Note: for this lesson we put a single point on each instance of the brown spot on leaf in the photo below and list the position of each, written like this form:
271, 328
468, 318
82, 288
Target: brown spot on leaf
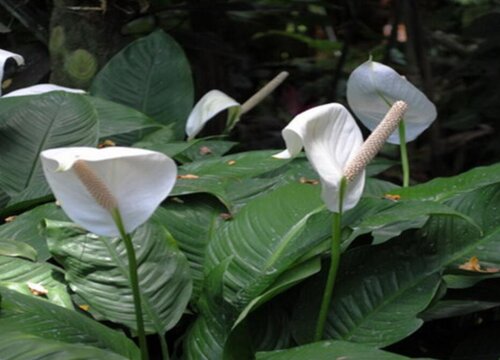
226, 216
304, 180
231, 162
37, 289
106, 143
473, 265
188, 177
9, 219
205, 150
392, 197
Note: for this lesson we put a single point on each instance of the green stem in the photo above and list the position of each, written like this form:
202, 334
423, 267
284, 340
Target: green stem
404, 154
134, 282
164, 347
334, 264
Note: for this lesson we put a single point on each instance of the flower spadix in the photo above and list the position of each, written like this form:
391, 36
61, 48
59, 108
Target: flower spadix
331, 138
91, 183
372, 88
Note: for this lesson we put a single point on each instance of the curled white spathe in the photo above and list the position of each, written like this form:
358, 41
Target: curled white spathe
372, 88
4, 56
212, 103
138, 179
330, 138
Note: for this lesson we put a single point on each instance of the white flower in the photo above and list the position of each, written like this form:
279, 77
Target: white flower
212, 103
372, 88
4, 56
41, 89
330, 138
135, 181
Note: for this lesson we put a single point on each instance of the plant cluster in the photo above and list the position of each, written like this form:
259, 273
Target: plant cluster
116, 227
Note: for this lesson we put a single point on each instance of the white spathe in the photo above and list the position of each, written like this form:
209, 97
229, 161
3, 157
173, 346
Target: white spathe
212, 103
4, 56
41, 89
372, 88
139, 180
330, 138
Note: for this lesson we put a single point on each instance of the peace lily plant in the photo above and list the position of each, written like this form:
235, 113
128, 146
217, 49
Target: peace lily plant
334, 146
110, 192
372, 88
215, 101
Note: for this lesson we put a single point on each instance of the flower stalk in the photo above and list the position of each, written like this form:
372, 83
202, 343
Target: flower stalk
263, 93
103, 196
354, 167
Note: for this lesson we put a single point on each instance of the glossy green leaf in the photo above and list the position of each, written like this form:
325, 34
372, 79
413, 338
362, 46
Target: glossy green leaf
441, 189
265, 239
27, 228
97, 271
223, 176
115, 118
205, 339
17, 249
151, 75
17, 273
400, 216
448, 308
20, 346
381, 290
42, 122
40, 318
378, 295
192, 223
328, 350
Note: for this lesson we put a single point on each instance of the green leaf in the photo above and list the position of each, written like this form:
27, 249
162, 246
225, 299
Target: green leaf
151, 75
45, 320
115, 118
441, 189
206, 338
224, 177
16, 273
51, 120
97, 271
391, 283
17, 249
27, 228
328, 350
378, 294
192, 223
448, 308
19, 346
400, 216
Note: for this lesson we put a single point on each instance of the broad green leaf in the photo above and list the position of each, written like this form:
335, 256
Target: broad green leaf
205, 339
97, 271
221, 176
16, 345
391, 283
400, 216
192, 223
378, 295
467, 279
17, 249
115, 118
151, 75
55, 119
441, 189
27, 228
265, 239
40, 318
206, 148
17, 273
329, 350
448, 308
